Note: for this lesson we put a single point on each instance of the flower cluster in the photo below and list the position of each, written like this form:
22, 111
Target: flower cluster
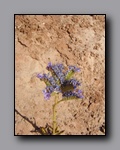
61, 81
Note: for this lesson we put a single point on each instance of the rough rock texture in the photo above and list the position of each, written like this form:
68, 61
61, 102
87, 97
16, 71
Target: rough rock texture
69, 39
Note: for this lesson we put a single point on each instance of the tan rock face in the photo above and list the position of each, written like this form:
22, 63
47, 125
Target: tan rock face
69, 39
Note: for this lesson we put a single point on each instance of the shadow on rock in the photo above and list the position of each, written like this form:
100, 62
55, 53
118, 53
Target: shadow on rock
47, 130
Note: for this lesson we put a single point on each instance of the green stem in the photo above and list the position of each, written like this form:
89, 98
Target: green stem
54, 116
63, 100
54, 112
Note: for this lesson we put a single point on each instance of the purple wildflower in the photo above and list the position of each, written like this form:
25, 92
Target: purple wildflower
57, 88
42, 76
60, 66
46, 94
78, 93
49, 66
73, 68
68, 94
60, 82
52, 80
50, 89
58, 71
74, 82
39, 76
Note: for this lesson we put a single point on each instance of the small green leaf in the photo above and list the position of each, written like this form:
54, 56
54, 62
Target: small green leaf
56, 130
60, 132
69, 75
43, 131
47, 83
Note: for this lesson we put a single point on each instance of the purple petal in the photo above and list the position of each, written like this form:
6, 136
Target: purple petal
40, 76
46, 94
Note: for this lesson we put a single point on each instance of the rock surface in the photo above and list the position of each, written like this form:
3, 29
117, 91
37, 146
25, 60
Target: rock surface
69, 39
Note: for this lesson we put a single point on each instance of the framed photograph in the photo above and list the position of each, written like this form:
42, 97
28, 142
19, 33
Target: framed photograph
59, 66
